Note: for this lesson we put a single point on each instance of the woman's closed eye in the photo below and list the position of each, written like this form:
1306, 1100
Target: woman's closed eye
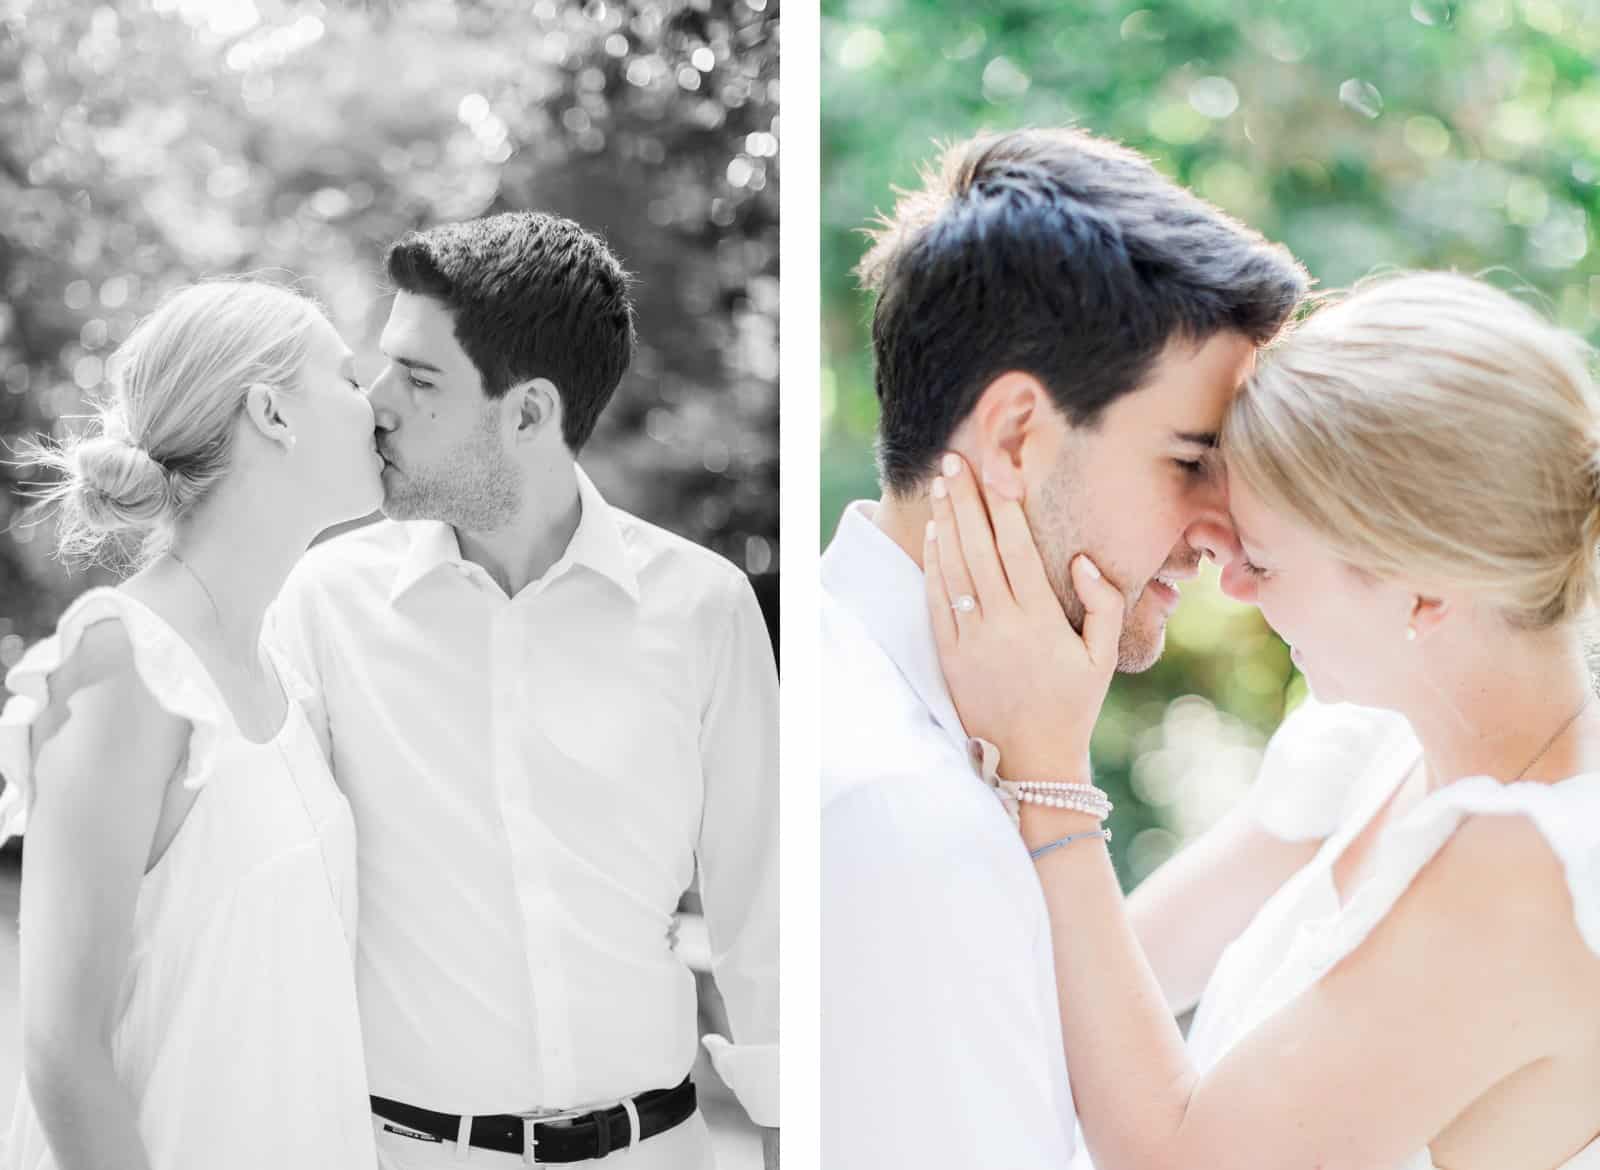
1252, 569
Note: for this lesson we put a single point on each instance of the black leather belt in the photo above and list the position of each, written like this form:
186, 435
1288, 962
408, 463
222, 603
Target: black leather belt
577, 1138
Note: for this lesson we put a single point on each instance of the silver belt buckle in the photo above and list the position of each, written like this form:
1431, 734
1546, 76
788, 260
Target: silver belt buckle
530, 1141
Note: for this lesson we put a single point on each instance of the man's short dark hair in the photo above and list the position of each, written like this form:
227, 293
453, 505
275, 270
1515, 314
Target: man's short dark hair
533, 296
1057, 254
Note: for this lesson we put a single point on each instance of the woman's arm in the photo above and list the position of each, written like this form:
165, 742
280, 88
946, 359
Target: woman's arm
1365, 1067
1187, 912
1191, 908
101, 777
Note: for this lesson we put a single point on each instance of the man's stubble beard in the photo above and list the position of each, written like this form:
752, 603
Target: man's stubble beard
475, 486
1059, 531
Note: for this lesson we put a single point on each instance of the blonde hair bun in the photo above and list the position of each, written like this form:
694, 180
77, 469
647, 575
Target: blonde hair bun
1429, 425
166, 431
115, 485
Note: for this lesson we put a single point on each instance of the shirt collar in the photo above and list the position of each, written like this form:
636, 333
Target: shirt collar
432, 545
596, 544
872, 577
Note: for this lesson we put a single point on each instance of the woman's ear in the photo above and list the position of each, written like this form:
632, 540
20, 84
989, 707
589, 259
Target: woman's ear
263, 407
1427, 615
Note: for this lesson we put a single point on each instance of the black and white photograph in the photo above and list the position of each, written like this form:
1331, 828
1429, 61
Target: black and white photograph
388, 584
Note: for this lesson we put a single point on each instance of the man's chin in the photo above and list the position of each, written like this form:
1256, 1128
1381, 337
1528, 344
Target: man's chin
395, 508
400, 506
402, 500
1144, 631
1136, 657
1142, 642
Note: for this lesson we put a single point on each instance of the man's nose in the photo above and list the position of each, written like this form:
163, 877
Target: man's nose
1214, 537
1210, 527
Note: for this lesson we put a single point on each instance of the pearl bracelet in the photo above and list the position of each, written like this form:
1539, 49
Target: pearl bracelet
1058, 786
1098, 809
1083, 798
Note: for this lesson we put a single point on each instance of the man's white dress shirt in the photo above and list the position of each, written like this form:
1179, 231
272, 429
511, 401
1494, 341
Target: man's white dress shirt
534, 780
941, 1042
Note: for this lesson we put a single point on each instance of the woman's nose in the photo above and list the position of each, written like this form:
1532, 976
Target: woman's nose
1237, 583
384, 417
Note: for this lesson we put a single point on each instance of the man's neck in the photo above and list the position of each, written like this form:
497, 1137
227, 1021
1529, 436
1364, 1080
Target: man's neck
904, 519
524, 550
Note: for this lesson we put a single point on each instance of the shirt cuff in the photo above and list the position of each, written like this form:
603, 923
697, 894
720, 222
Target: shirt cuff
751, 1071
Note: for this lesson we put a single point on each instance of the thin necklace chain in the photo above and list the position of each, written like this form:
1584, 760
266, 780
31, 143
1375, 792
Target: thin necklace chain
216, 610
1549, 743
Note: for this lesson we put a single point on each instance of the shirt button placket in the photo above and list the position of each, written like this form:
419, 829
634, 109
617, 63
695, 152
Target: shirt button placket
509, 651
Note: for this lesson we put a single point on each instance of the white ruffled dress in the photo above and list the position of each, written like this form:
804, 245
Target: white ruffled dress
237, 1034
1302, 931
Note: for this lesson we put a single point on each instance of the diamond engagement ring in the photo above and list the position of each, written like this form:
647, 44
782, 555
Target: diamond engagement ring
966, 603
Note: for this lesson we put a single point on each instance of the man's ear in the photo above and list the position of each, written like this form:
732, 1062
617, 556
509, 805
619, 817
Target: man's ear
538, 406
263, 407
1006, 427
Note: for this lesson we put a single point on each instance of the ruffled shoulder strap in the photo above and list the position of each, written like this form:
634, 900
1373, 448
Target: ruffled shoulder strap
1316, 768
167, 667
1567, 815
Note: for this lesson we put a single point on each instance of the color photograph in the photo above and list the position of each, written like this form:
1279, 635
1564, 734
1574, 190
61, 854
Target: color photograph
1210, 501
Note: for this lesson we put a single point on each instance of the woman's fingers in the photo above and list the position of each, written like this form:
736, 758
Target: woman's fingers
977, 537
1102, 618
939, 611
1019, 555
962, 600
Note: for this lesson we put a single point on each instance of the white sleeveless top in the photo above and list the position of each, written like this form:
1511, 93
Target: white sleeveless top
237, 1034
1302, 931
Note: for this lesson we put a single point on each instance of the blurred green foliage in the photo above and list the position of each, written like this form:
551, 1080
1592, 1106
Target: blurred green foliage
154, 142
1365, 134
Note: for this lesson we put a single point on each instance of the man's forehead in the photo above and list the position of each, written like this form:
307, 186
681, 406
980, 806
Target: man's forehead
1190, 387
418, 321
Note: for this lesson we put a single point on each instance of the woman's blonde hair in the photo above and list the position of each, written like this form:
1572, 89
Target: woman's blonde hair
163, 436
1432, 427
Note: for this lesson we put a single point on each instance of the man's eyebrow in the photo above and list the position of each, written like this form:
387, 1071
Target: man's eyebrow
1198, 438
414, 364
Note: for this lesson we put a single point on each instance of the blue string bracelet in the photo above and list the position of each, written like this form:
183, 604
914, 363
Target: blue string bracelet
1103, 834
